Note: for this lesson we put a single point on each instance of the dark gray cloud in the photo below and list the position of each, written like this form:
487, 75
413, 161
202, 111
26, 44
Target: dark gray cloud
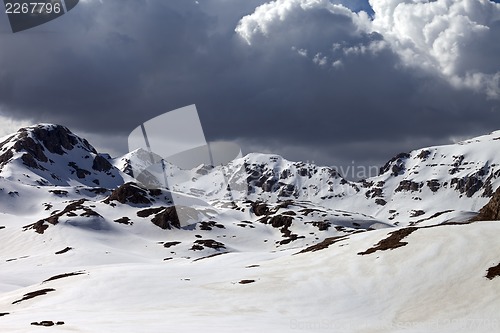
315, 84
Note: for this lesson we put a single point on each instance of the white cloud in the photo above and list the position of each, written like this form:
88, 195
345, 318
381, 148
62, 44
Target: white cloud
337, 64
301, 52
451, 38
311, 26
372, 47
320, 60
454, 39
270, 17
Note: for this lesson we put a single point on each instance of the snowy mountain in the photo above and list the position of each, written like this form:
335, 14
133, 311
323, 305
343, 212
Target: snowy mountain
48, 154
287, 246
462, 177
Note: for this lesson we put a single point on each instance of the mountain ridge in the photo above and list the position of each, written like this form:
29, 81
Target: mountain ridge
462, 176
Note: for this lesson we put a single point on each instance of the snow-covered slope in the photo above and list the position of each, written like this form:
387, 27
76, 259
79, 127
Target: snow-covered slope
460, 177
94, 280
288, 246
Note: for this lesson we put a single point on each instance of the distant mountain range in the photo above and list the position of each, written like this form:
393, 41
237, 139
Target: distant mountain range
461, 177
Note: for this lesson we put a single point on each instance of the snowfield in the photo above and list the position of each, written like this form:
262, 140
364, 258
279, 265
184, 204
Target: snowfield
436, 283
85, 249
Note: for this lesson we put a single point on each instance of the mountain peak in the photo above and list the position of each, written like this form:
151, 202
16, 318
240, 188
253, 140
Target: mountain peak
56, 138
35, 142
50, 154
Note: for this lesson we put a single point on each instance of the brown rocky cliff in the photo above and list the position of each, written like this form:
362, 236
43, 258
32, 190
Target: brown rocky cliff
491, 211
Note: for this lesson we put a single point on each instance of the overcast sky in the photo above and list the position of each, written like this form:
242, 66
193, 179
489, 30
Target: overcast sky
329, 81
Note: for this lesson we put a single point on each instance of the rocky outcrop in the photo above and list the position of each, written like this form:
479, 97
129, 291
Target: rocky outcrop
37, 141
200, 244
5, 157
491, 211
101, 164
396, 164
57, 137
70, 211
260, 208
168, 218
408, 186
130, 193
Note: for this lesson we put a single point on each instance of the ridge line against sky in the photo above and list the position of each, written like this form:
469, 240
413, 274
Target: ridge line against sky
325, 81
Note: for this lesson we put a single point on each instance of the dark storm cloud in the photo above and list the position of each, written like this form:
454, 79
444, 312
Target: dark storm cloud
100, 67
314, 86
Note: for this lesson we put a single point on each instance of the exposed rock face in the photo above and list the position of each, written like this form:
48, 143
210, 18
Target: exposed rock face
40, 139
34, 151
167, 219
408, 185
101, 164
34, 294
493, 272
395, 164
468, 185
294, 180
200, 244
30, 161
491, 211
33, 148
433, 185
80, 173
5, 157
124, 220
130, 193
260, 208
58, 137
